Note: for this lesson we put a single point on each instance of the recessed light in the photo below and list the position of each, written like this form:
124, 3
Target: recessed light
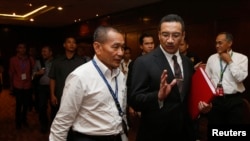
97, 15
32, 20
59, 8
146, 19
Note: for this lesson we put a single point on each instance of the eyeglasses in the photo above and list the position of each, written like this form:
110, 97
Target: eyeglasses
174, 35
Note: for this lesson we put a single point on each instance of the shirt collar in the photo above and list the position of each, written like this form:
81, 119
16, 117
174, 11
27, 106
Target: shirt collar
65, 57
229, 52
168, 55
105, 70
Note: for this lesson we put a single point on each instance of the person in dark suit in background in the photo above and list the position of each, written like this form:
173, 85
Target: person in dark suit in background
184, 49
154, 89
147, 45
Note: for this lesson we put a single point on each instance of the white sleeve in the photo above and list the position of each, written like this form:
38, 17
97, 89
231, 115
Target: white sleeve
69, 108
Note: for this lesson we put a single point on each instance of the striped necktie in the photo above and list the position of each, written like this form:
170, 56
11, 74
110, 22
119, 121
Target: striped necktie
177, 73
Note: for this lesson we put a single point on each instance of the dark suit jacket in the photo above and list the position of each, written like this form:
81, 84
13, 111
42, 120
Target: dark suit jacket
170, 121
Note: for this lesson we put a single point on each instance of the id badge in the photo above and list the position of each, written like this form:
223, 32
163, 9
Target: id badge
219, 90
23, 76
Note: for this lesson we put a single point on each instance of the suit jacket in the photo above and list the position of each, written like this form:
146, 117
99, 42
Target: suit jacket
170, 121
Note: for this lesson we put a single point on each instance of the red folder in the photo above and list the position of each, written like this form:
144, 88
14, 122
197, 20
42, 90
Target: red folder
202, 89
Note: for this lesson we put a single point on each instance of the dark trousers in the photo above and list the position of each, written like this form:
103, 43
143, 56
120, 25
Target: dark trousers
43, 96
22, 102
227, 110
54, 110
82, 137
35, 97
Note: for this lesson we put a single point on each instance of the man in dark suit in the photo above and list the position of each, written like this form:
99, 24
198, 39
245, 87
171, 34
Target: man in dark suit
154, 89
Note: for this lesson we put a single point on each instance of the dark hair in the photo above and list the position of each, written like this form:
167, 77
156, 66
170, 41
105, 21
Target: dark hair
172, 18
144, 35
229, 36
101, 32
48, 47
21, 43
127, 48
66, 38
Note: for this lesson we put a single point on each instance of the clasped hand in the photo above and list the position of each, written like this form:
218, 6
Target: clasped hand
204, 107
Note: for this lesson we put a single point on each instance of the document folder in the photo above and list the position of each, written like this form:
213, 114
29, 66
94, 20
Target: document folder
202, 89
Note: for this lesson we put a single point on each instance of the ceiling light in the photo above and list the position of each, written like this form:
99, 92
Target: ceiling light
32, 20
39, 10
146, 19
96, 15
59, 8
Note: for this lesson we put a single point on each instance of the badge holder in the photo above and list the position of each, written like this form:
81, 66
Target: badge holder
219, 90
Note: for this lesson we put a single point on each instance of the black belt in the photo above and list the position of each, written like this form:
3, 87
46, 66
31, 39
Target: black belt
83, 137
230, 95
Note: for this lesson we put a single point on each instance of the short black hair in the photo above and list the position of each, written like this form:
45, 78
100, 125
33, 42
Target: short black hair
48, 47
143, 35
67, 37
172, 18
127, 48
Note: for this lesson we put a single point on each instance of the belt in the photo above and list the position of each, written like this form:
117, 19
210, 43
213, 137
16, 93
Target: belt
229, 95
97, 137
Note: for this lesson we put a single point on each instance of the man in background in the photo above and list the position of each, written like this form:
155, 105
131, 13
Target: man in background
61, 67
227, 69
20, 72
184, 49
147, 45
124, 66
41, 71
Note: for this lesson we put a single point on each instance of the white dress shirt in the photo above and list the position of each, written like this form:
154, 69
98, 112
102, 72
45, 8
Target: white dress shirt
171, 61
87, 103
234, 74
124, 67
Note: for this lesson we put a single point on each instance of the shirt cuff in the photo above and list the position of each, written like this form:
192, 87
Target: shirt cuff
160, 104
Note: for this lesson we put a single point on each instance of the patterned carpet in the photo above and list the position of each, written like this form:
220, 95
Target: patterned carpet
8, 131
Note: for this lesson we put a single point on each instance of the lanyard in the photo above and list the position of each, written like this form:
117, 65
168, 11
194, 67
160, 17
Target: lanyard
222, 70
114, 94
22, 65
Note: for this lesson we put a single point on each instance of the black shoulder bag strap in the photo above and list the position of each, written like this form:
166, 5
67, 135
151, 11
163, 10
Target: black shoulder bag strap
114, 95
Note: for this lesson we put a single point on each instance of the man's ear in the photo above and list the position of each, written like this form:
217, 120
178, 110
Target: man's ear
97, 47
141, 47
184, 34
230, 43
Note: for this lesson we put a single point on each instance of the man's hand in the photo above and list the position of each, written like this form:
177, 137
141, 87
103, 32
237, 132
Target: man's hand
165, 88
225, 56
54, 100
204, 107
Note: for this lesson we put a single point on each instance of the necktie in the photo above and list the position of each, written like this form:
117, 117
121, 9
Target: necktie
177, 71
